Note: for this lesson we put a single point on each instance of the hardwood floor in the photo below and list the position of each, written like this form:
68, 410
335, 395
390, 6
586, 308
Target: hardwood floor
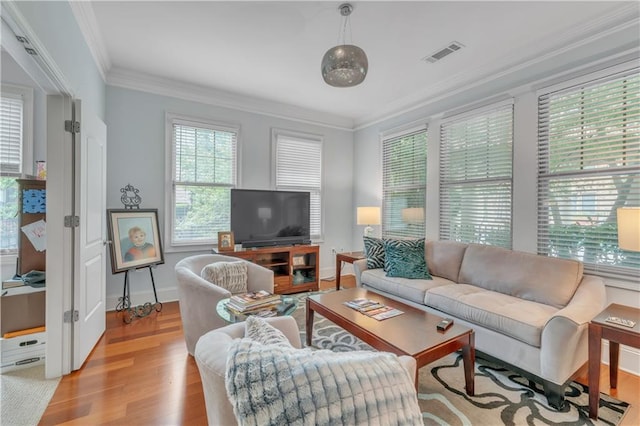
141, 373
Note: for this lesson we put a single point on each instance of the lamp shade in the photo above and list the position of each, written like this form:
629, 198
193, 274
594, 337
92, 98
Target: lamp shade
629, 228
368, 216
413, 215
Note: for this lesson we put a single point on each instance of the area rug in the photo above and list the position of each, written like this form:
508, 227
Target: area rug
25, 395
501, 396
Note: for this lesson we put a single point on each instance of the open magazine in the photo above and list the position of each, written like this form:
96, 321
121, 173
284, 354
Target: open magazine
373, 309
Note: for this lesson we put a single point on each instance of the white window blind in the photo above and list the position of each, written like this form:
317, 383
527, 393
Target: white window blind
476, 154
404, 184
11, 110
588, 166
298, 167
11, 148
204, 171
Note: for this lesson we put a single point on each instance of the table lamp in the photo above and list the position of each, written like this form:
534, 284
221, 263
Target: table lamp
629, 228
368, 216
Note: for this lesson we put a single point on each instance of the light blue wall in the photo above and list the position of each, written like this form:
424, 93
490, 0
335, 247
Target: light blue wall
56, 28
136, 155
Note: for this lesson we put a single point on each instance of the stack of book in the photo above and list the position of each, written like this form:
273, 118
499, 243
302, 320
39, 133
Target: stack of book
373, 309
253, 302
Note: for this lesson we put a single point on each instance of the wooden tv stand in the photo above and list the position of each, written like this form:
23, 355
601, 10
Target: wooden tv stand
295, 268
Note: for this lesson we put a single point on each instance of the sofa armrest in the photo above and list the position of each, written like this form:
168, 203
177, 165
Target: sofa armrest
259, 278
566, 332
359, 266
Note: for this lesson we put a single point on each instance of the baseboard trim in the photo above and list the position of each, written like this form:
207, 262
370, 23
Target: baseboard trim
166, 295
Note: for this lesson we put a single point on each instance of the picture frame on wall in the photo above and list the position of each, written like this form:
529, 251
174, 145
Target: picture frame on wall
135, 239
225, 241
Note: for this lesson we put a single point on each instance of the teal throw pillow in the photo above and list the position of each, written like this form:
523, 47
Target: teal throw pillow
374, 252
405, 259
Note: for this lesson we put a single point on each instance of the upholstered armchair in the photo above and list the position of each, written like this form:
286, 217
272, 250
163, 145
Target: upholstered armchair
198, 298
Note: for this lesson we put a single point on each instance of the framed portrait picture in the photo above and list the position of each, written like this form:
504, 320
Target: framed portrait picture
298, 261
135, 239
225, 241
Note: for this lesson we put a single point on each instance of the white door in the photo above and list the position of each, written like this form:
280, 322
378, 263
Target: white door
89, 250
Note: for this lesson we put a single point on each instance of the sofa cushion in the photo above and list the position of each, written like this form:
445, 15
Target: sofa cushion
444, 258
231, 276
542, 279
258, 329
521, 319
405, 259
374, 252
410, 289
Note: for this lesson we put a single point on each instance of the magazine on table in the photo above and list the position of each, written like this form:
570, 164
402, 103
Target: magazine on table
373, 309
254, 298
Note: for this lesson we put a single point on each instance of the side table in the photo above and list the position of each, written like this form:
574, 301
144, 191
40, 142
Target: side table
600, 329
349, 257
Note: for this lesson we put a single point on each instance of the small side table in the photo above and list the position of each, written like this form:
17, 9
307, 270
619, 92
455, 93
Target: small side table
600, 329
349, 257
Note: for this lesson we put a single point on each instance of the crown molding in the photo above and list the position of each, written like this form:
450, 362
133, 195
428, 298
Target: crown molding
86, 19
623, 18
134, 80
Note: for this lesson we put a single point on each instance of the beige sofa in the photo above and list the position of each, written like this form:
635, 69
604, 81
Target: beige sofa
529, 311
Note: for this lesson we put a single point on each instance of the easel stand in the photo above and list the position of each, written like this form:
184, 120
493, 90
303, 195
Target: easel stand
140, 310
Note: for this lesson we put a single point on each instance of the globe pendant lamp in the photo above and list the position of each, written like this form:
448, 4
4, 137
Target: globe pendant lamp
344, 65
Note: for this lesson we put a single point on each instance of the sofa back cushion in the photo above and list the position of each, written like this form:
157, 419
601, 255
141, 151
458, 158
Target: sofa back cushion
542, 279
444, 258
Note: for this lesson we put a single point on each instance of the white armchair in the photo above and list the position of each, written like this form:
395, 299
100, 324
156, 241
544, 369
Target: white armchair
198, 298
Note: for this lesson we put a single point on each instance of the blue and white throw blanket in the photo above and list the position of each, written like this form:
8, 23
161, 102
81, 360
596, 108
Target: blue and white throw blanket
278, 385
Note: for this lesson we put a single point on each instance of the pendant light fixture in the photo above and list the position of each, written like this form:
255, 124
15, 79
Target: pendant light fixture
344, 65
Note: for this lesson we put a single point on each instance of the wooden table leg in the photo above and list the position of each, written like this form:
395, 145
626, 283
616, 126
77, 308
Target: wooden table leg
338, 270
469, 359
614, 356
595, 355
309, 315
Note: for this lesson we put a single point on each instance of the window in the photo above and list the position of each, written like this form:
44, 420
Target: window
404, 183
298, 167
16, 111
476, 177
204, 169
588, 166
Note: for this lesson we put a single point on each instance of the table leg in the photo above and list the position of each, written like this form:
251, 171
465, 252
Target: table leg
469, 359
338, 270
595, 355
309, 325
614, 356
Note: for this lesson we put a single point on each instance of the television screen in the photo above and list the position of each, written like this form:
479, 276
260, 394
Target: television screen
267, 218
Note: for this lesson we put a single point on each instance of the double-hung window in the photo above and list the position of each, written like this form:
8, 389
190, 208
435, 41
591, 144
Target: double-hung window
297, 159
203, 171
588, 166
16, 112
476, 152
404, 183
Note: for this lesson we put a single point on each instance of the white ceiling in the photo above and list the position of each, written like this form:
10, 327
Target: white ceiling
269, 52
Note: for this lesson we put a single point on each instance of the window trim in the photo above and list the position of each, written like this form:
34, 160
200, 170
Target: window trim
307, 137
169, 245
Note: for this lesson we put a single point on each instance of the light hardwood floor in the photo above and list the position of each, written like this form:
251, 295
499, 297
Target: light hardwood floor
141, 374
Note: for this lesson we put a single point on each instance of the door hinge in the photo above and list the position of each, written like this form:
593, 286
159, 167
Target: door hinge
71, 221
72, 126
71, 316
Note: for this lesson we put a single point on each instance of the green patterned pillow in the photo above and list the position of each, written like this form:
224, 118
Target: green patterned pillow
405, 258
374, 252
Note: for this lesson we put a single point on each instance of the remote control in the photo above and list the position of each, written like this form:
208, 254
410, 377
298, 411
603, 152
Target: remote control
445, 324
621, 321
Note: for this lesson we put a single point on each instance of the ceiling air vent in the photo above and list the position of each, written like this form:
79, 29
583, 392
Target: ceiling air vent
435, 57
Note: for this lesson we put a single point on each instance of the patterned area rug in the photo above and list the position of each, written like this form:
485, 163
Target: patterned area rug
501, 396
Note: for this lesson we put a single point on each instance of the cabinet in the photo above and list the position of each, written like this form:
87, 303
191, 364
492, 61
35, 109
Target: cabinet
295, 268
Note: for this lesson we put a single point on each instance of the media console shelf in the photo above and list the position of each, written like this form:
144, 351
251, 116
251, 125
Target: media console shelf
295, 268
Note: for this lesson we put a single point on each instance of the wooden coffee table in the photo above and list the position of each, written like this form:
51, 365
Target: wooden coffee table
413, 333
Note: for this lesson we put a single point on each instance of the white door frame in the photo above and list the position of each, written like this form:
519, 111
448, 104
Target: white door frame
45, 72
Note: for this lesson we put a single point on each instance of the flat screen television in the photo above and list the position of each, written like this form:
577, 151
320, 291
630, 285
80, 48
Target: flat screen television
261, 218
